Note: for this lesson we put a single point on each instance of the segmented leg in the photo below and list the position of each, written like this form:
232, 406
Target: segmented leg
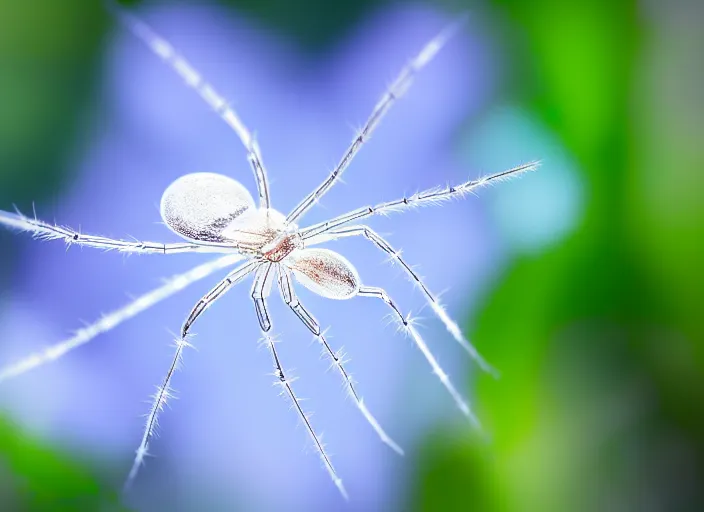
260, 291
46, 231
167, 53
434, 303
218, 290
115, 318
163, 392
397, 89
427, 197
289, 295
380, 293
285, 383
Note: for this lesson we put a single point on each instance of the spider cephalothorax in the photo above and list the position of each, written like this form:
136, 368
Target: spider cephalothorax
216, 214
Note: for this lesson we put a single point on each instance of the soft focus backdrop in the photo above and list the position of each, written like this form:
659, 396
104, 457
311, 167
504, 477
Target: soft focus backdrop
582, 283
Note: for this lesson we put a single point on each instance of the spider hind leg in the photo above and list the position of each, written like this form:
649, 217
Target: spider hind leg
289, 296
380, 293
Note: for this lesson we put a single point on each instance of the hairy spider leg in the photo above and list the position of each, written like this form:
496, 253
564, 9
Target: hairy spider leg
45, 231
380, 293
428, 197
260, 291
164, 392
399, 86
285, 382
169, 55
113, 319
431, 299
288, 293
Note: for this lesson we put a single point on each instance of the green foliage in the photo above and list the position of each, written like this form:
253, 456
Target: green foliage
42, 478
600, 340
313, 23
48, 51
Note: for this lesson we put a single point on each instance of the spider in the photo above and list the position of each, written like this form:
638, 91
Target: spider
216, 214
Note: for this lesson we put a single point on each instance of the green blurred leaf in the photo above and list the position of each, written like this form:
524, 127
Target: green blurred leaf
43, 479
600, 340
48, 51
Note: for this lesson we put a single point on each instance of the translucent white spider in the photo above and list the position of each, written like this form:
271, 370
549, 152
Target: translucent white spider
216, 214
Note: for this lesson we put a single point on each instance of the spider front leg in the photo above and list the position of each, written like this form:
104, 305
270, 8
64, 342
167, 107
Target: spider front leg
432, 300
381, 294
115, 318
46, 231
168, 54
163, 393
289, 296
399, 86
433, 196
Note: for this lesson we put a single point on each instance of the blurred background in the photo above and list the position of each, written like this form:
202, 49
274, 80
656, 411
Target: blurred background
582, 283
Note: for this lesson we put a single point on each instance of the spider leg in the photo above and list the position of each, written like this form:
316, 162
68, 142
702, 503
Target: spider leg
380, 293
167, 53
46, 231
115, 318
289, 295
163, 392
216, 292
428, 197
285, 383
434, 303
397, 89
260, 290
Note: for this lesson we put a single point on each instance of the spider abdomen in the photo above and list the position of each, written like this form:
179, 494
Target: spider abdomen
324, 272
200, 206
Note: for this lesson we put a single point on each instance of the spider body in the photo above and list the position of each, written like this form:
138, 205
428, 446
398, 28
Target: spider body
216, 214
226, 214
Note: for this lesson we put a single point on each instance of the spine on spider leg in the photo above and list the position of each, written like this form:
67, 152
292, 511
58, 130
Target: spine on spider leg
498, 177
36, 227
44, 231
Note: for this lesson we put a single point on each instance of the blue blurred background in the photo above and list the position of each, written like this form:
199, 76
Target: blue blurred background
582, 283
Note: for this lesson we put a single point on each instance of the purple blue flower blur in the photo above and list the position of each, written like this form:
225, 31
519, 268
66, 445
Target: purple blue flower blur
229, 441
